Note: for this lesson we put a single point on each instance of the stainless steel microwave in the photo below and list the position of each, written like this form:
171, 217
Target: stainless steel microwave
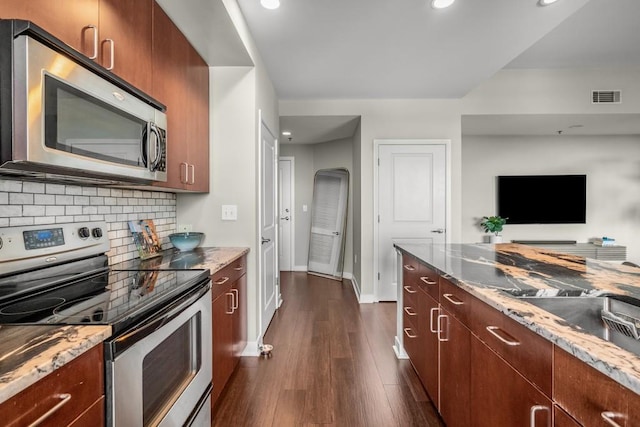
68, 120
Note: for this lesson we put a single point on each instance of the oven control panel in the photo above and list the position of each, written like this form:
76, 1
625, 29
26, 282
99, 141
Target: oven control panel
26, 247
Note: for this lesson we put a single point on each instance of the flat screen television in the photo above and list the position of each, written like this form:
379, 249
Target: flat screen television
543, 199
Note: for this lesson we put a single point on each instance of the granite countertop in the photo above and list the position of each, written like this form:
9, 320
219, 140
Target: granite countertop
29, 353
487, 271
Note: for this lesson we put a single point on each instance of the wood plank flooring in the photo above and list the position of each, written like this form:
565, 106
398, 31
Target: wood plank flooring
332, 365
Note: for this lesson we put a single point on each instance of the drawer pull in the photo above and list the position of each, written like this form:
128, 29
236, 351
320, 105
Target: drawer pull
238, 268
408, 334
537, 408
428, 281
235, 299
408, 289
431, 322
233, 304
440, 329
450, 298
493, 330
221, 281
64, 399
410, 311
609, 416
409, 267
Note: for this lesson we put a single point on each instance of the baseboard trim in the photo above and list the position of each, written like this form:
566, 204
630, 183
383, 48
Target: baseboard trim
299, 268
398, 349
251, 349
367, 299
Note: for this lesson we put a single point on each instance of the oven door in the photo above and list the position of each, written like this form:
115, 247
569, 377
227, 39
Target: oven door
158, 372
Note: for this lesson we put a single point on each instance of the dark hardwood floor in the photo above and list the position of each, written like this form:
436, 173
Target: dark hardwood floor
332, 364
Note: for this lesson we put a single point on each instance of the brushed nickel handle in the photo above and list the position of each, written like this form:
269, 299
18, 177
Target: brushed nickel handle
193, 174
438, 230
286, 218
410, 313
409, 267
450, 298
95, 40
64, 399
336, 233
608, 417
235, 299
112, 53
409, 289
221, 281
428, 281
265, 240
440, 329
431, 322
186, 172
408, 334
239, 268
229, 294
493, 330
536, 408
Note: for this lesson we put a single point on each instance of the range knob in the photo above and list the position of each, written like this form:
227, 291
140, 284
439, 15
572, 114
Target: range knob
97, 232
84, 232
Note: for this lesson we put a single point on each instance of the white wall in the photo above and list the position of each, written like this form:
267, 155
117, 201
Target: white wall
612, 166
508, 92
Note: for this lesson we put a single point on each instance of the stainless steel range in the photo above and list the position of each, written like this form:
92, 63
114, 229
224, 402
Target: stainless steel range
158, 369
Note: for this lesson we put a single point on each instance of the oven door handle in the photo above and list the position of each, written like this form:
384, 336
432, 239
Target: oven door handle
123, 342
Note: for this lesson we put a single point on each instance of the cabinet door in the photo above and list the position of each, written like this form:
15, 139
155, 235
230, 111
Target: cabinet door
198, 129
170, 65
68, 20
455, 371
428, 368
500, 396
222, 341
562, 419
126, 26
239, 318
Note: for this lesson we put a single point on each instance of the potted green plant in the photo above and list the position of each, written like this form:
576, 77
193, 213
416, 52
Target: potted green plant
493, 224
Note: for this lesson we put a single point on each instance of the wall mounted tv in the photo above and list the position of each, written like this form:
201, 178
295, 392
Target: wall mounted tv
543, 199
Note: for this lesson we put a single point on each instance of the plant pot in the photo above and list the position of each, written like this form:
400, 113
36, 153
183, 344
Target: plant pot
495, 239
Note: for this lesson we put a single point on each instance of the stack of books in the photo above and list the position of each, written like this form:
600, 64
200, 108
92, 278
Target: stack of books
604, 241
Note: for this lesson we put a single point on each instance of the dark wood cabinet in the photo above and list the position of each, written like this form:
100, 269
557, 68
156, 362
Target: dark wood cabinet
562, 419
74, 393
429, 361
229, 318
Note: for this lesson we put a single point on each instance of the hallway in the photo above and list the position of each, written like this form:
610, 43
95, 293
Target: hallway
332, 364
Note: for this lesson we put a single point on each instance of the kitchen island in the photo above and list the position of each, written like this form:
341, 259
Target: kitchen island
494, 278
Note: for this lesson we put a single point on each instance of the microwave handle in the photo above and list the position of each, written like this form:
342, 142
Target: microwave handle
160, 143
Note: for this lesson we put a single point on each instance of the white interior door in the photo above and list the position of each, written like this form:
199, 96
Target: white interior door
285, 242
330, 191
411, 203
268, 226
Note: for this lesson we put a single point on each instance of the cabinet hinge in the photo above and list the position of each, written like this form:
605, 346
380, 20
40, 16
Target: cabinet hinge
378, 275
378, 161
378, 219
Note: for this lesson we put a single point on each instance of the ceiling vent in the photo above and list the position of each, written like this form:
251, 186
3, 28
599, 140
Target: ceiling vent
606, 97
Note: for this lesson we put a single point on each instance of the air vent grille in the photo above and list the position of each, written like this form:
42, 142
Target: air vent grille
606, 97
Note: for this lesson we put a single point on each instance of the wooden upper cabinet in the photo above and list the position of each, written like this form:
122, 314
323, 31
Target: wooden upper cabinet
75, 22
198, 116
126, 30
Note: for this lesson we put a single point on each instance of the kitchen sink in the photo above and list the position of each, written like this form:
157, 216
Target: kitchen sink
614, 318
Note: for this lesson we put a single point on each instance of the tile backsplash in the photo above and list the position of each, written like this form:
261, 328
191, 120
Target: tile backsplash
37, 203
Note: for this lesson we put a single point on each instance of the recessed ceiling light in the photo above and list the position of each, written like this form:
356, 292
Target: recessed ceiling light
286, 133
441, 4
546, 2
270, 4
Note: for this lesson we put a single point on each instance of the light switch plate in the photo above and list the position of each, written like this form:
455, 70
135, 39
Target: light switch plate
229, 212
304, 208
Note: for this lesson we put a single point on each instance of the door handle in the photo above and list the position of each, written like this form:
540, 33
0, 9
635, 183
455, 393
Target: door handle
265, 240
336, 233
438, 230
286, 218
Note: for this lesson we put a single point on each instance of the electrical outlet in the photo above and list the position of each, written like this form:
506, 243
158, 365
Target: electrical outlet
185, 228
229, 212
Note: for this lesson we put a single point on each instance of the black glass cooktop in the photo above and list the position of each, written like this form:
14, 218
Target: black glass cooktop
89, 292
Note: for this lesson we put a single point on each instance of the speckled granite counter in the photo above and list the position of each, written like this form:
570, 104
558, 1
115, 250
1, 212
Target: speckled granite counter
486, 271
29, 353
213, 259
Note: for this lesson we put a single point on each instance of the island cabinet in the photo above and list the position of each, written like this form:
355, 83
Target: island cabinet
72, 395
591, 397
181, 82
116, 34
229, 322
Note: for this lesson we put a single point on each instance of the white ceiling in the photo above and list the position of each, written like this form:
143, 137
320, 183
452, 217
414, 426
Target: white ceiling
317, 129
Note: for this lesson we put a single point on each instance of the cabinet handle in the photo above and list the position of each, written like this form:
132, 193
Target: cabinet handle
239, 268
493, 330
409, 290
64, 399
409, 267
221, 281
440, 329
193, 174
431, 322
408, 334
428, 281
235, 299
232, 304
450, 298
410, 313
536, 408
186, 173
95, 40
608, 417
112, 49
